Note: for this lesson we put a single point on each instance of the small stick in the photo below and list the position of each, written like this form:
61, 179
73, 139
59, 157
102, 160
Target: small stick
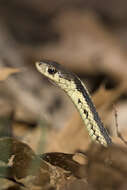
117, 127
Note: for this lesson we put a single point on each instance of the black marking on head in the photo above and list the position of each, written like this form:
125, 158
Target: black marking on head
93, 109
49, 63
86, 113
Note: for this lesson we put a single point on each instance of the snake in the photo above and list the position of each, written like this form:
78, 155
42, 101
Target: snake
80, 96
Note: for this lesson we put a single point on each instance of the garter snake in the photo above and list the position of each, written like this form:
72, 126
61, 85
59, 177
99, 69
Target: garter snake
79, 95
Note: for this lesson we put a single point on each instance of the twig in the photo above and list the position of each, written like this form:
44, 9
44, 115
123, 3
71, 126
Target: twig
117, 126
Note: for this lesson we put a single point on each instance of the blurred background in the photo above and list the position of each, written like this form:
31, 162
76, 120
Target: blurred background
87, 37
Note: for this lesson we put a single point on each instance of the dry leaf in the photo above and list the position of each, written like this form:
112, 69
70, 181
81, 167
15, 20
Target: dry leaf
6, 71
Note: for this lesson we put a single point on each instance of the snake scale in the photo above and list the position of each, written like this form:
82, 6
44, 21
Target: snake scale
79, 95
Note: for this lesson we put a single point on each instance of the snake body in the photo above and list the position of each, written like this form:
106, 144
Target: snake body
79, 95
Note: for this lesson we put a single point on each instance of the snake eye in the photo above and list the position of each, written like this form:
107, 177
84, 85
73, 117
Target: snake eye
52, 71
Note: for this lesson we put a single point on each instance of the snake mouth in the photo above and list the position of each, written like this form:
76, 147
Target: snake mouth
40, 65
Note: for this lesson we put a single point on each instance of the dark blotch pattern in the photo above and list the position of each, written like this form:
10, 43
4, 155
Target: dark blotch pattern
97, 138
79, 101
93, 110
86, 113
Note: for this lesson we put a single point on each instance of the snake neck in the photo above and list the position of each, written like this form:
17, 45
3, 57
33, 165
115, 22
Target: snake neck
80, 97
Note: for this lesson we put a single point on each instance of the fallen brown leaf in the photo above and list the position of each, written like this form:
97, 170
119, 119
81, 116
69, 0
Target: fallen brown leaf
6, 71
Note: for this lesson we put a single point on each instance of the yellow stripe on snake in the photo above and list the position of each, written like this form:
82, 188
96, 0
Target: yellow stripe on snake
79, 95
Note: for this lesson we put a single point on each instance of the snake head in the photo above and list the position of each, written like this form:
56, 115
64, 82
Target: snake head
55, 72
